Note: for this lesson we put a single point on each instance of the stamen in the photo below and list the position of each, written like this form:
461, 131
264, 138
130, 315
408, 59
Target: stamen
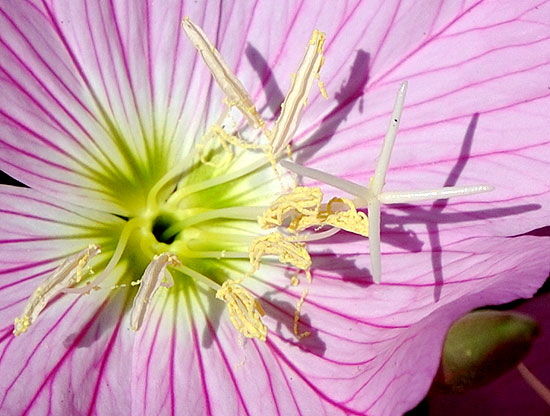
339, 212
67, 274
187, 190
303, 206
152, 279
287, 248
229, 83
128, 229
227, 140
245, 312
302, 200
198, 277
234, 140
223, 254
317, 235
349, 219
296, 98
238, 213
297, 312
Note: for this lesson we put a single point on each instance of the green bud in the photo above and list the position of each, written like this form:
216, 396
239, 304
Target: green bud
482, 346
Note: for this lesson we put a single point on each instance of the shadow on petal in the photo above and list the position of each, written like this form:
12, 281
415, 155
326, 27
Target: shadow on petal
283, 313
342, 266
350, 93
439, 205
273, 93
103, 321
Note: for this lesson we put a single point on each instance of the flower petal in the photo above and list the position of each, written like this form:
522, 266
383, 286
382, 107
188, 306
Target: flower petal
485, 105
212, 369
363, 337
43, 99
71, 330
36, 234
75, 72
78, 347
368, 343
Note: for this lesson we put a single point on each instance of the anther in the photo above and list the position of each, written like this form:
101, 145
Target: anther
245, 312
296, 98
66, 275
302, 201
287, 248
229, 83
155, 275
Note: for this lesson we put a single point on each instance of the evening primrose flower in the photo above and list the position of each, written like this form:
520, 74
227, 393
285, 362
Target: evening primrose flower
164, 259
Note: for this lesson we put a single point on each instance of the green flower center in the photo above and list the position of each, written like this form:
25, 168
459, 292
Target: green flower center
199, 222
161, 224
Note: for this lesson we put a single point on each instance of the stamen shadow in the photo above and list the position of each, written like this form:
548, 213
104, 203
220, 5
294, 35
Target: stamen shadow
103, 320
274, 95
283, 313
440, 204
538, 232
434, 216
392, 233
346, 268
215, 311
349, 94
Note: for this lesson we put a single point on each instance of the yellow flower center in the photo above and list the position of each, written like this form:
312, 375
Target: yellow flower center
198, 224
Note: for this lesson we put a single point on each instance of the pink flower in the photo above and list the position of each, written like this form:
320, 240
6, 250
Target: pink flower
106, 106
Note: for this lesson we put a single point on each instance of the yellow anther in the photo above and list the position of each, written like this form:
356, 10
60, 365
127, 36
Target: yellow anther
317, 39
289, 251
20, 325
350, 219
296, 98
322, 88
302, 208
302, 201
245, 312
153, 277
234, 140
297, 312
83, 262
205, 148
229, 83
66, 275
